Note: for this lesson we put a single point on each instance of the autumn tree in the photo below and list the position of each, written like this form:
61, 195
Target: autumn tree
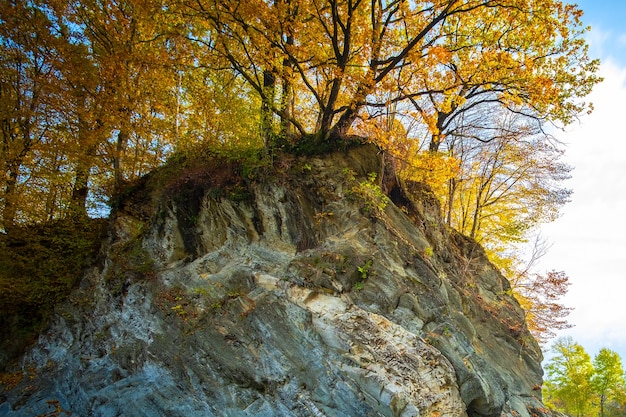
30, 103
40, 62
128, 50
97, 93
497, 190
65, 97
213, 108
508, 183
493, 59
539, 296
80, 117
437, 59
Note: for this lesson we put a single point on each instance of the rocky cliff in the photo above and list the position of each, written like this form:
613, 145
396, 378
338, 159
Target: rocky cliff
302, 292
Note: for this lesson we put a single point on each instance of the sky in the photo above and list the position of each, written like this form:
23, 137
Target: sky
588, 241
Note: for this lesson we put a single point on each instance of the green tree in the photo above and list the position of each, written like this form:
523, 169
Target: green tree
568, 387
608, 379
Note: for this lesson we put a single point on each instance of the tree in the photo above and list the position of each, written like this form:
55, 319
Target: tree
579, 387
30, 103
497, 191
83, 114
608, 380
508, 183
125, 88
569, 374
437, 60
538, 294
63, 98
214, 111
96, 93
129, 48
489, 63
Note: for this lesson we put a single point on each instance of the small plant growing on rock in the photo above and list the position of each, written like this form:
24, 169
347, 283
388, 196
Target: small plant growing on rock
364, 269
179, 310
368, 192
364, 272
349, 174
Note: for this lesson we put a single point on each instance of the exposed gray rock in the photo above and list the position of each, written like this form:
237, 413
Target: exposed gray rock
305, 298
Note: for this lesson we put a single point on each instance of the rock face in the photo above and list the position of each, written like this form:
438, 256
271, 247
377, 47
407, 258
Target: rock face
300, 294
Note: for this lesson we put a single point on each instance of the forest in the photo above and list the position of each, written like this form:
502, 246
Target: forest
463, 95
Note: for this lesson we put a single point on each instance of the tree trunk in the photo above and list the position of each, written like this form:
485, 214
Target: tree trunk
12, 171
476, 216
287, 98
122, 140
53, 207
602, 400
435, 142
437, 138
267, 113
80, 190
9, 211
343, 125
452, 183
326, 128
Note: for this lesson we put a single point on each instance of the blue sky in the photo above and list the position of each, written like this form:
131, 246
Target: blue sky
589, 240
607, 13
607, 19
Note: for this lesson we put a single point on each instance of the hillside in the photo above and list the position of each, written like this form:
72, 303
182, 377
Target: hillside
299, 292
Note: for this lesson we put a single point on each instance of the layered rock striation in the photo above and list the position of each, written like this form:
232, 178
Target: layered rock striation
303, 292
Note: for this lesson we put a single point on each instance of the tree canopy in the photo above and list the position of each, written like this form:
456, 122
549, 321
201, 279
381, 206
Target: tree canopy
581, 387
96, 93
434, 61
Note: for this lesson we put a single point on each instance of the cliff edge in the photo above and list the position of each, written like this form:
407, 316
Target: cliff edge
306, 292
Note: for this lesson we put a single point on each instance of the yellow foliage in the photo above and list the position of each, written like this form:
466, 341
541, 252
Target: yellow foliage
432, 168
440, 53
387, 133
125, 83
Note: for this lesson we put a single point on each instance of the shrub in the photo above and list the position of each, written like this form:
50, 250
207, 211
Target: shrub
39, 266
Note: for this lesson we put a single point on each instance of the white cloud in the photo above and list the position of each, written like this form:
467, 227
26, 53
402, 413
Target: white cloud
589, 240
622, 39
598, 40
